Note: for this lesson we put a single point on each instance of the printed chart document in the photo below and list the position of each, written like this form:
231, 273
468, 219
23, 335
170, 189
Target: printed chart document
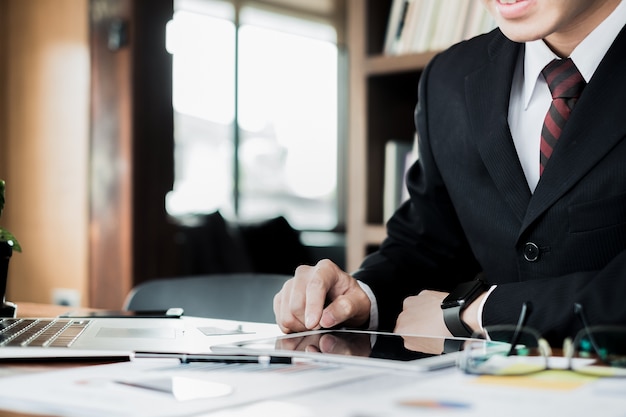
165, 387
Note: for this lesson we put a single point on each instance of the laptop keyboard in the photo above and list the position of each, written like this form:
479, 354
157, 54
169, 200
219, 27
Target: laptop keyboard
40, 332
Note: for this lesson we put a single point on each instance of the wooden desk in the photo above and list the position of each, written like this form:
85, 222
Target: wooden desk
40, 310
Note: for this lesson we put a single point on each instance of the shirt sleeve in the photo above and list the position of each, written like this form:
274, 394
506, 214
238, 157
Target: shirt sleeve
482, 306
373, 325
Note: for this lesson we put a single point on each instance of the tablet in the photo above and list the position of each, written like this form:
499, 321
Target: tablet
388, 350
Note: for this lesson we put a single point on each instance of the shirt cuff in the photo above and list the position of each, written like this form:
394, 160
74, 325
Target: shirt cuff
481, 307
373, 325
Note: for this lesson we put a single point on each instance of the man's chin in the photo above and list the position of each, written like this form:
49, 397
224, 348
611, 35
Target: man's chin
521, 35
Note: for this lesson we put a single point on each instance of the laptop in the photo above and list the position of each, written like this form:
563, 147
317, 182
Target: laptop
113, 336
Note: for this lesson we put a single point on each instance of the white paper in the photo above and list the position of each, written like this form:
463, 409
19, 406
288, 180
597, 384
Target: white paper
147, 388
139, 388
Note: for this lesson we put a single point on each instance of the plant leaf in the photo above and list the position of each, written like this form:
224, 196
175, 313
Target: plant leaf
6, 236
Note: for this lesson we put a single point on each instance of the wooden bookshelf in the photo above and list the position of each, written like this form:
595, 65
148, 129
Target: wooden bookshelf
390, 64
383, 96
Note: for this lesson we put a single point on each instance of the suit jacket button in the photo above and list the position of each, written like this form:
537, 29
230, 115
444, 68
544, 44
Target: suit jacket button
531, 252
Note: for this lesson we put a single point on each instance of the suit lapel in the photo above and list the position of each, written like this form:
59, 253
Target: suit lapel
597, 124
488, 91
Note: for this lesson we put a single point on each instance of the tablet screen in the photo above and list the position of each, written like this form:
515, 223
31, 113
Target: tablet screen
422, 353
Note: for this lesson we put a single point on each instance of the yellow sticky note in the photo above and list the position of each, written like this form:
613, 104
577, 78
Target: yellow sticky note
553, 379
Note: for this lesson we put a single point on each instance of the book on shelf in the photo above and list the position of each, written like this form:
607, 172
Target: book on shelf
399, 156
416, 26
446, 33
426, 17
396, 24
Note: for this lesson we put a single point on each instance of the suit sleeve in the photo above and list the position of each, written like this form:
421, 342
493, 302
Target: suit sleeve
601, 293
425, 246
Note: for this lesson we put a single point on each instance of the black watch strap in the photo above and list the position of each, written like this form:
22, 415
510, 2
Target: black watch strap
452, 318
453, 345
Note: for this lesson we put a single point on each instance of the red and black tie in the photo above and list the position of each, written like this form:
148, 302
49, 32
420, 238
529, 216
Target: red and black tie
566, 84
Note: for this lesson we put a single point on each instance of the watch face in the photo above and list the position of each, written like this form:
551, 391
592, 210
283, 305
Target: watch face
462, 294
450, 302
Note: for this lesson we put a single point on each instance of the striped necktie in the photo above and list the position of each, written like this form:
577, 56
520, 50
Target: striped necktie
566, 85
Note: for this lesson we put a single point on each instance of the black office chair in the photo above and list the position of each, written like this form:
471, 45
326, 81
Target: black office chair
238, 296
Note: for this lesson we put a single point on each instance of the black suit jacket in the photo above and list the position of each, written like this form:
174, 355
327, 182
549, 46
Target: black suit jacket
471, 210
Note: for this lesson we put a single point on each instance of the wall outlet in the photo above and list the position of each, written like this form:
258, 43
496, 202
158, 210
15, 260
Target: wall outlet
66, 297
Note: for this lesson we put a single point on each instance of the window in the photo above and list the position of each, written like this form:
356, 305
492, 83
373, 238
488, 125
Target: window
255, 114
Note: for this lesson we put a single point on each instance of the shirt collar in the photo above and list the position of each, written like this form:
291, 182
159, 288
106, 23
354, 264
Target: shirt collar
587, 55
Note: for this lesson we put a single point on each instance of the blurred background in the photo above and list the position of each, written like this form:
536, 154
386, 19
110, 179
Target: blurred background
151, 138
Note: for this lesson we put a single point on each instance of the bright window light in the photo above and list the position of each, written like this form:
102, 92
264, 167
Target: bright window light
286, 73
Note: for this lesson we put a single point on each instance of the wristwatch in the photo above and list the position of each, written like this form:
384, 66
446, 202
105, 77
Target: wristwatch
456, 302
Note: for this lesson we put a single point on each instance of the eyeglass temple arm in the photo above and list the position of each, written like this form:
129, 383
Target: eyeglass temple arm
580, 313
521, 322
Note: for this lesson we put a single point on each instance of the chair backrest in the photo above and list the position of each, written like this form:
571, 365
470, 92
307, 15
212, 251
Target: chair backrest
239, 296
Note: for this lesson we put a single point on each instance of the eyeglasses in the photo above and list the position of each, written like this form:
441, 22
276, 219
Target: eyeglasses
519, 350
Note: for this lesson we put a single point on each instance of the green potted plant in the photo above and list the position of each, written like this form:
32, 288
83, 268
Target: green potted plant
8, 244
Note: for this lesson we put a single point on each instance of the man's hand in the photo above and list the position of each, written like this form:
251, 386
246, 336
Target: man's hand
422, 315
320, 296
347, 344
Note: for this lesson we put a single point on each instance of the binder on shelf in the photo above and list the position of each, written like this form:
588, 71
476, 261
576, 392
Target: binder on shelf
399, 156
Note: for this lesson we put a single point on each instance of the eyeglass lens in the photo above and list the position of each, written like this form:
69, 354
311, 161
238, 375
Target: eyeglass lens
496, 355
600, 351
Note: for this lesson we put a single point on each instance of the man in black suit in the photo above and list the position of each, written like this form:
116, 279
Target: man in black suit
482, 202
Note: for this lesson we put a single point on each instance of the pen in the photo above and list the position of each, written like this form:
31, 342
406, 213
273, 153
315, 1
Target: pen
208, 357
